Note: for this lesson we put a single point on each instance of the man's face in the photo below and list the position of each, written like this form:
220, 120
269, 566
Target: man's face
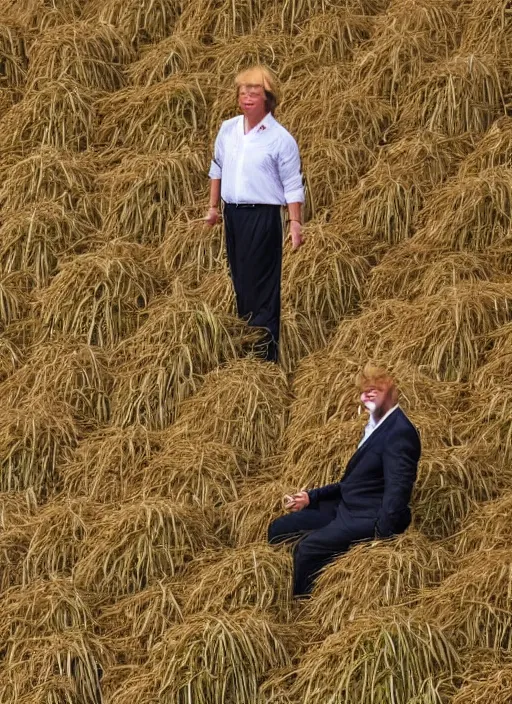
251, 99
374, 396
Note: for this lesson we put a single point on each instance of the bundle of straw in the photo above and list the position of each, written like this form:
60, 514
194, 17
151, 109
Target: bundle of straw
238, 648
13, 550
492, 151
210, 19
243, 404
99, 297
93, 55
144, 190
178, 54
256, 576
494, 684
35, 237
13, 48
473, 604
14, 299
163, 363
139, 543
61, 114
487, 528
487, 28
10, 357
57, 535
33, 436
16, 508
334, 35
391, 654
106, 464
41, 14
374, 575
141, 24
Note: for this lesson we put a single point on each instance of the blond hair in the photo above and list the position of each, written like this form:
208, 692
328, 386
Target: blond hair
374, 375
260, 75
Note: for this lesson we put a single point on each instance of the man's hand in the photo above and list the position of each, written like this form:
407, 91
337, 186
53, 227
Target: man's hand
296, 234
296, 502
212, 217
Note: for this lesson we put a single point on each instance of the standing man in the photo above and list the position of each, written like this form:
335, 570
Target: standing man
256, 171
372, 498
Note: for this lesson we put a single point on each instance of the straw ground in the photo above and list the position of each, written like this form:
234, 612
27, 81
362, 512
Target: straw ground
486, 528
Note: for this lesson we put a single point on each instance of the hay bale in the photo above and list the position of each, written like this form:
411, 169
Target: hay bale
177, 54
470, 212
143, 191
14, 299
49, 174
14, 544
163, 363
298, 337
217, 292
139, 543
35, 237
243, 404
487, 28
460, 94
10, 357
205, 20
140, 24
62, 667
245, 520
374, 575
493, 683
33, 437
135, 623
295, 12
413, 270
324, 279
406, 39
473, 604
389, 198
444, 334
99, 297
16, 508
158, 117
43, 608
13, 56
487, 528
390, 654
40, 15
106, 464
333, 35
74, 373
92, 55
57, 535
494, 150
450, 481
61, 114
239, 649
256, 576
191, 470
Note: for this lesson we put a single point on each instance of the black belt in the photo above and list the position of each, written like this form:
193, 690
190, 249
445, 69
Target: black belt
251, 205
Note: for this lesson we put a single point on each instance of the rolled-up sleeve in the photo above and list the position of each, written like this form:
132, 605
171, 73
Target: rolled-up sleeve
290, 173
218, 153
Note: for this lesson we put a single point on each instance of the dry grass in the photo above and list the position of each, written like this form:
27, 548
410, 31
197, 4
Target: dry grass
141, 24
61, 114
158, 117
493, 683
450, 483
324, 279
93, 55
13, 57
458, 95
374, 575
57, 535
444, 334
10, 357
16, 508
210, 658
243, 404
34, 238
470, 212
34, 435
371, 660
487, 528
256, 576
139, 543
298, 336
487, 27
178, 54
14, 299
207, 20
494, 150
105, 465
41, 14
13, 550
143, 191
100, 297
163, 363
473, 604
334, 35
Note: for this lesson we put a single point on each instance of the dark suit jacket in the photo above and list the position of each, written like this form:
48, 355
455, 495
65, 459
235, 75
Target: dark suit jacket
379, 477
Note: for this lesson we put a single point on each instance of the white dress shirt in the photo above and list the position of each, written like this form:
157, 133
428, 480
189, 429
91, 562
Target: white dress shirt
374, 424
262, 166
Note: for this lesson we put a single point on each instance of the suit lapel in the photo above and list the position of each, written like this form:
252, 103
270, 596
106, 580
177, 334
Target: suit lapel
368, 443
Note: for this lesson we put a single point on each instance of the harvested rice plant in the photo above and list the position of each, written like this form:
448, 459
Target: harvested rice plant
143, 446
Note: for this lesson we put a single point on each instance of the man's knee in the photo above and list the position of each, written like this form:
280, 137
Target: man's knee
277, 531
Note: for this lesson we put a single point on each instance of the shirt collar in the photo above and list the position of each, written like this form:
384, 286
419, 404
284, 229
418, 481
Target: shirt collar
375, 423
266, 123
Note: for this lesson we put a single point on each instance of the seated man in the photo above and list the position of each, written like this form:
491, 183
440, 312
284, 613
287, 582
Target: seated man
372, 498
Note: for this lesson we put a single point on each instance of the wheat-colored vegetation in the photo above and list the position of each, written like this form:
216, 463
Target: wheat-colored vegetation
144, 446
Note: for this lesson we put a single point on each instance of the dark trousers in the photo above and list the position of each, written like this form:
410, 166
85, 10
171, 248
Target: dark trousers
325, 532
254, 243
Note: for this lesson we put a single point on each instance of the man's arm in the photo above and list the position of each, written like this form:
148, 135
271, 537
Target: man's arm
400, 464
323, 493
